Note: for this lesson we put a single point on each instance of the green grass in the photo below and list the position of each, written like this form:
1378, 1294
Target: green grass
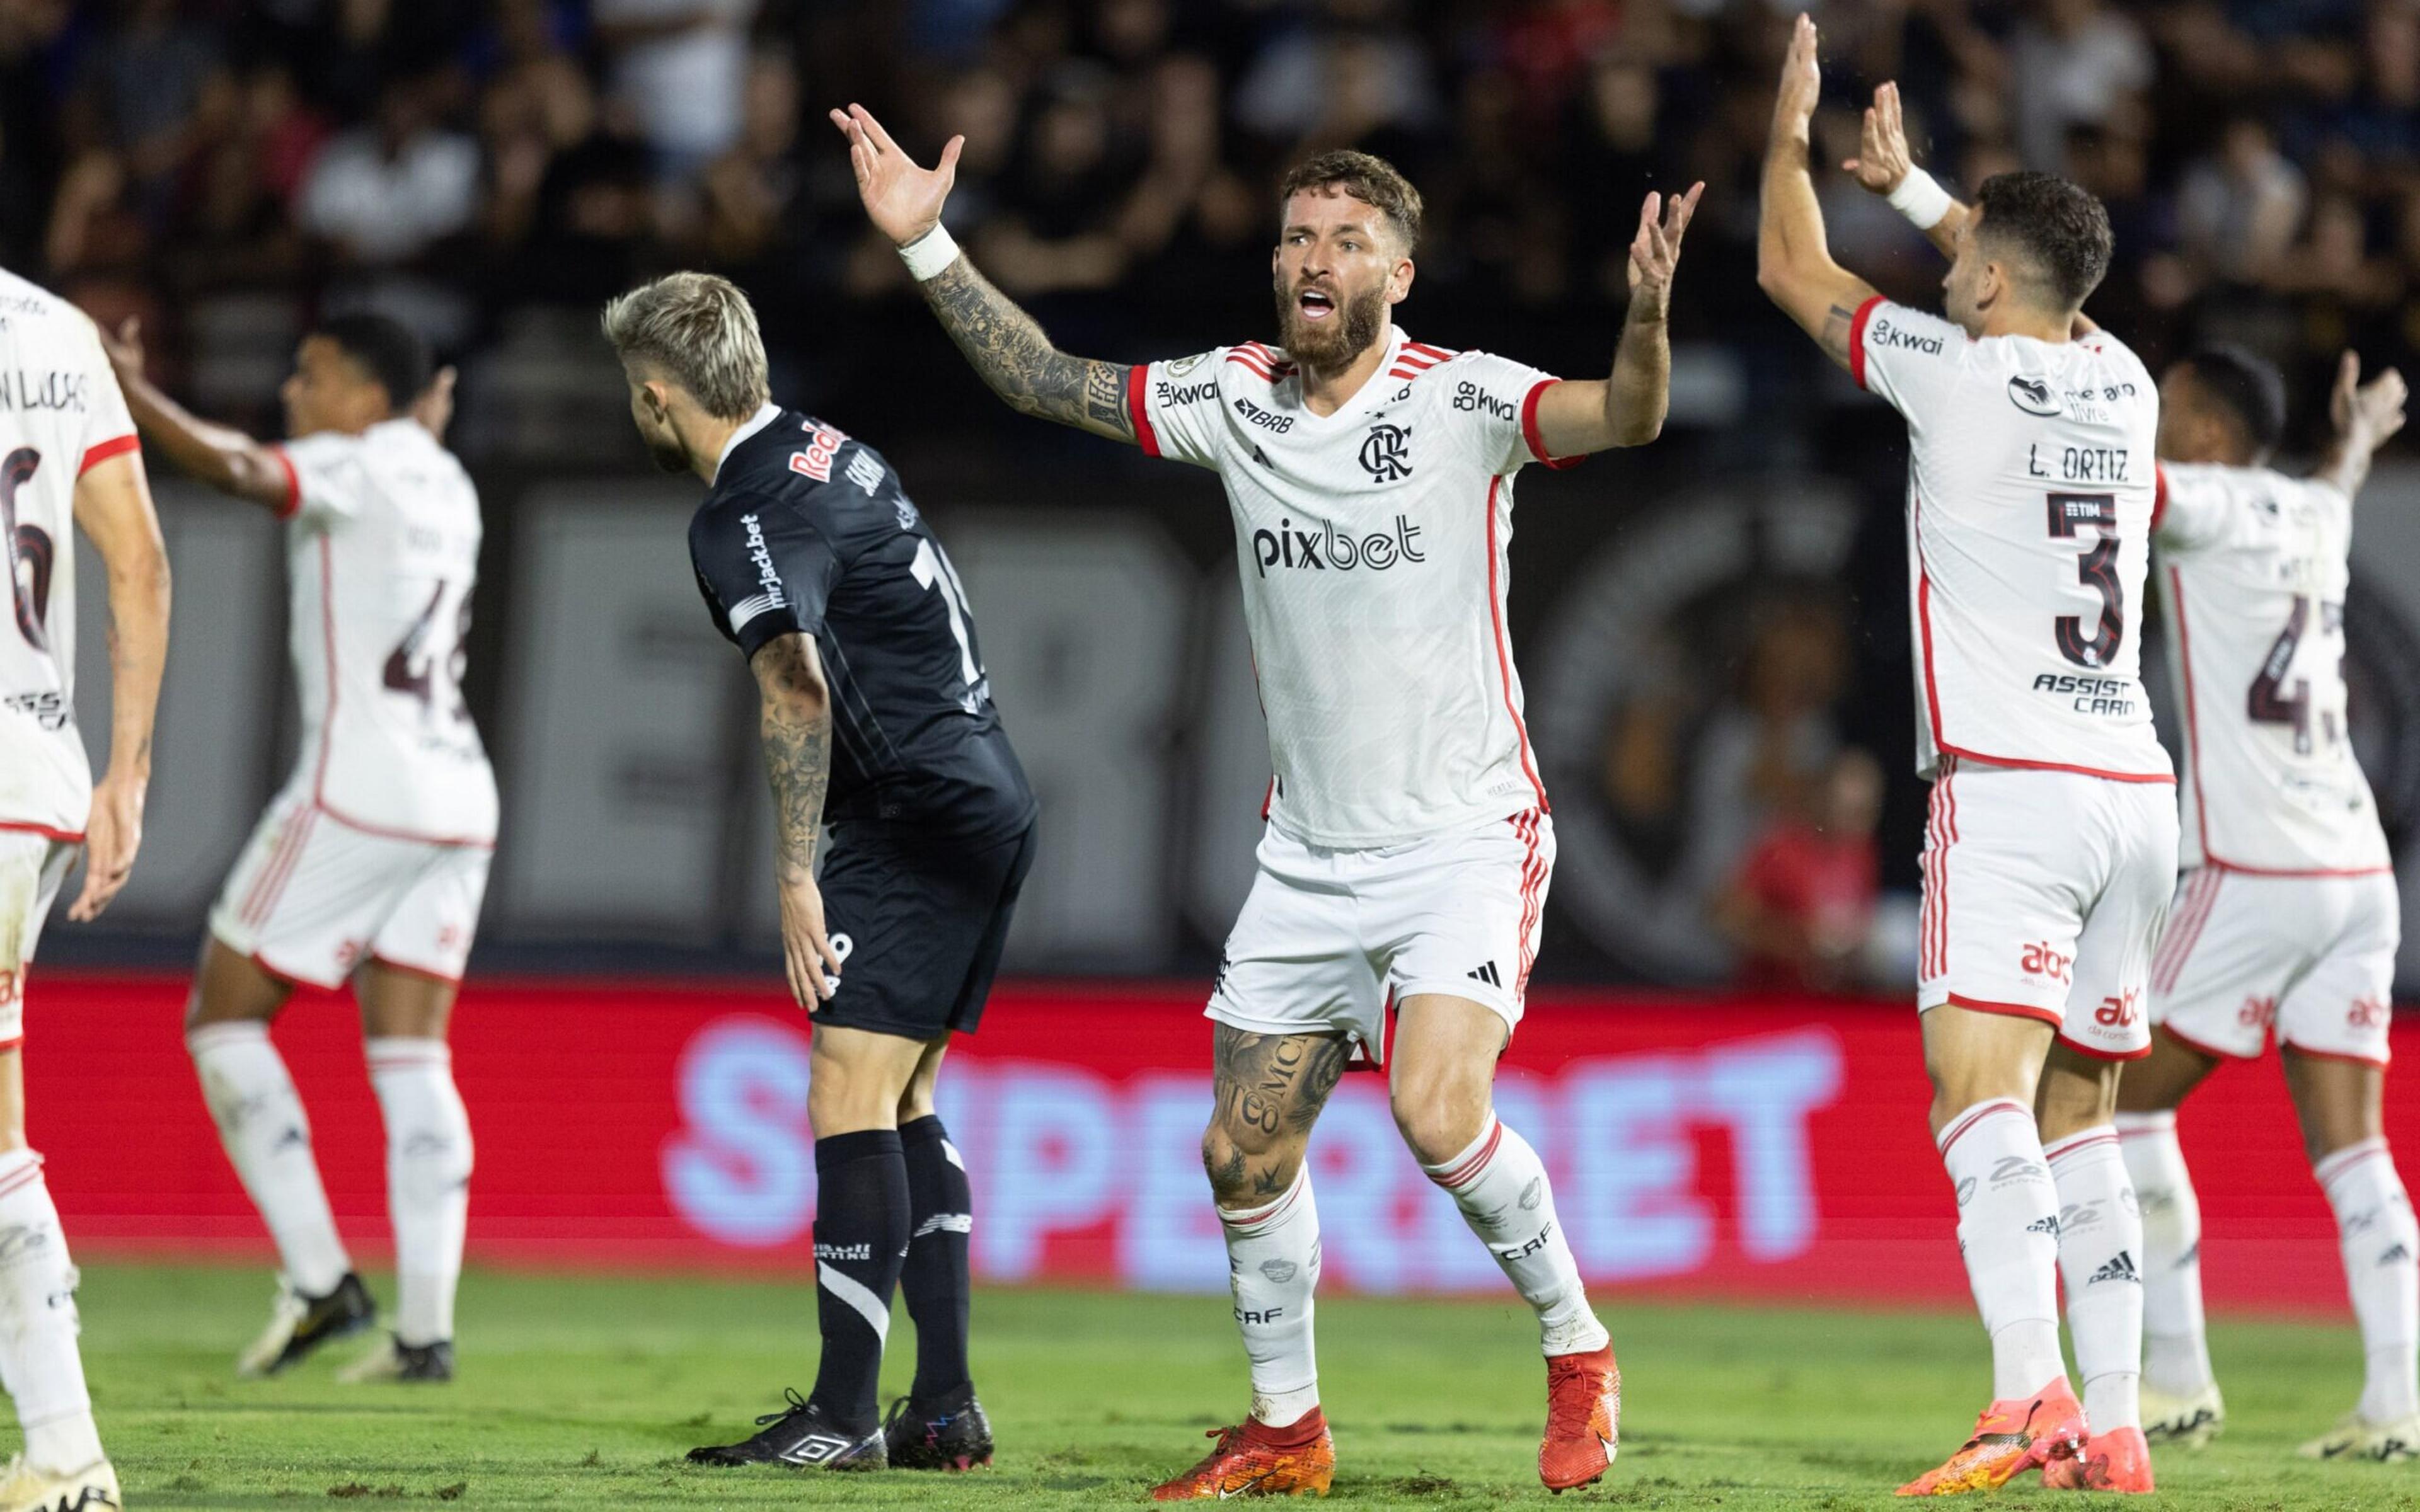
585, 1392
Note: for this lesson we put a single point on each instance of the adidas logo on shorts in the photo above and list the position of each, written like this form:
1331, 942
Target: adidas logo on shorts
1485, 972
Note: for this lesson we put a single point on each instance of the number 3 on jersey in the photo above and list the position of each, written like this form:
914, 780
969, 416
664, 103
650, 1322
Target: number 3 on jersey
2097, 569
932, 569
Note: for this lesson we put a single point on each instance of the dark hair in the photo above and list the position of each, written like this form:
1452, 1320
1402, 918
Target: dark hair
2056, 224
2248, 387
1372, 180
387, 351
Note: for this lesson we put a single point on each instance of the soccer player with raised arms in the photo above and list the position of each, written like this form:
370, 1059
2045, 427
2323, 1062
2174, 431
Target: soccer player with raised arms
2053, 844
369, 866
2286, 919
873, 715
1408, 847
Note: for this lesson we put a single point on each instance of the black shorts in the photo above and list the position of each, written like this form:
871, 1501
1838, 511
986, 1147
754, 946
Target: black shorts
925, 917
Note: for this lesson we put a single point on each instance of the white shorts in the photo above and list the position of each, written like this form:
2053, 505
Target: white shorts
32, 866
312, 897
1328, 938
2311, 958
2044, 893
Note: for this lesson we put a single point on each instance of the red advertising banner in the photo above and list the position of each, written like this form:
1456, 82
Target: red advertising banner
1774, 1149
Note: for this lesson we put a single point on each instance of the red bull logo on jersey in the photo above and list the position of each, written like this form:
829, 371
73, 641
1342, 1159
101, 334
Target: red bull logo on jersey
816, 460
1327, 547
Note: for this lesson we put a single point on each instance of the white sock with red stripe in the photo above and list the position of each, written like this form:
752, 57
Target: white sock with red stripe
1500, 1185
1273, 1269
2008, 1233
38, 1362
2380, 1240
2100, 1250
267, 1140
2175, 1337
427, 1181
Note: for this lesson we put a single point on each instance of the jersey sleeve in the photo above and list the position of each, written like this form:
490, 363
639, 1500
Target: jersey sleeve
2192, 508
765, 570
1174, 407
1904, 356
321, 484
109, 429
1496, 399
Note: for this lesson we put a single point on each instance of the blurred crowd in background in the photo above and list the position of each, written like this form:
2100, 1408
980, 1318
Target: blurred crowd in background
492, 170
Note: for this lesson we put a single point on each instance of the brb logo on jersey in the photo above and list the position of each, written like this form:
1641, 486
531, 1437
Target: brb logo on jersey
1386, 454
1327, 547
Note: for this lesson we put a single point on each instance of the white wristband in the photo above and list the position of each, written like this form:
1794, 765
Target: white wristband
1922, 199
934, 249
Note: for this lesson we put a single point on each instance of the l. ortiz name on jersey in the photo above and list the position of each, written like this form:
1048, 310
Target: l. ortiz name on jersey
1371, 547
2030, 480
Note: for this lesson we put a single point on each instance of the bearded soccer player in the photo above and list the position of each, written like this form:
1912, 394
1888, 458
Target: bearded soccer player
369, 867
1408, 846
69, 461
2053, 844
2286, 919
817, 565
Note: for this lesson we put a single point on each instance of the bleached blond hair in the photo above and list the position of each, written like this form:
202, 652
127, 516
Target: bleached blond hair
700, 331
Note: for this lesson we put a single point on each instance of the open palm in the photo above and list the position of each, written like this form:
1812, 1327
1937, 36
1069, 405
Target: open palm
901, 200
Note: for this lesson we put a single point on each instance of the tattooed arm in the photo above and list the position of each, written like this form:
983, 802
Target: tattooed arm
1793, 262
1003, 342
795, 724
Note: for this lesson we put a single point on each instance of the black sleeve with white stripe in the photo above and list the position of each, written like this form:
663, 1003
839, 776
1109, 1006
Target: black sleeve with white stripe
764, 568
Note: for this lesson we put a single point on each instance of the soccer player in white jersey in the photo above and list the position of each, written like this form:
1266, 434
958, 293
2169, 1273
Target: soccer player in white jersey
2286, 919
1408, 846
369, 865
2053, 844
68, 460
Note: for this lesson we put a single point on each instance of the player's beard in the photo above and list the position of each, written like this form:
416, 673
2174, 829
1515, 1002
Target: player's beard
668, 457
1332, 343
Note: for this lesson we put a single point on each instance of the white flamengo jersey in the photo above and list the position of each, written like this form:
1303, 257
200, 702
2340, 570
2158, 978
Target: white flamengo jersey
2030, 483
2254, 565
60, 413
1371, 547
382, 551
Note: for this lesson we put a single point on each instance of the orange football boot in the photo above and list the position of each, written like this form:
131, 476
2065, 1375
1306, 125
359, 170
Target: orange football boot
1254, 1460
1583, 1419
2117, 1460
2018, 1434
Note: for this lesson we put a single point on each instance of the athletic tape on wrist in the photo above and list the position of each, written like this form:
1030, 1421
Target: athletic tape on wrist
934, 249
1922, 199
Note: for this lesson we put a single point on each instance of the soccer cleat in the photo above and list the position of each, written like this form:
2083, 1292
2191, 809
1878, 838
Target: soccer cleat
2117, 1460
298, 1325
397, 1361
2011, 1436
1583, 1419
24, 1489
952, 1434
2356, 1438
799, 1434
2186, 1422
1253, 1459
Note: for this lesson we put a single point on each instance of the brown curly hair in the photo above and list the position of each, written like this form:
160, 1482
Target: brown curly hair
1370, 179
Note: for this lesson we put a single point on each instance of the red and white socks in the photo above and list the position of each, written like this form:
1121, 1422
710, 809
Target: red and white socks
267, 1140
2175, 1337
2380, 1240
428, 1162
2100, 1250
2008, 1232
1500, 1185
1273, 1269
38, 1360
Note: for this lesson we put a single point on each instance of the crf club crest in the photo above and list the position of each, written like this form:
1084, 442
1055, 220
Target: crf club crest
1386, 453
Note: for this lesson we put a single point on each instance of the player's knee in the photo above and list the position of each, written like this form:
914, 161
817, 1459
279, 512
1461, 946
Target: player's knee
1438, 1119
1245, 1170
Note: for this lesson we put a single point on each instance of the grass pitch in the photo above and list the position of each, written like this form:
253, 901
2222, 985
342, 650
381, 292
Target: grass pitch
581, 1392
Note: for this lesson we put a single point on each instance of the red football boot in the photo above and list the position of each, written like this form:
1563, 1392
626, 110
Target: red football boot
1254, 1460
2117, 1460
2019, 1434
1583, 1419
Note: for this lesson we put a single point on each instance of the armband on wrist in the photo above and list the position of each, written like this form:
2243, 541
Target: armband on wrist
1922, 199
929, 254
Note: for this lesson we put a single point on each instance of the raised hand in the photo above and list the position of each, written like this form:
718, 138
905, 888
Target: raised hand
1802, 80
1882, 159
1655, 252
901, 200
2369, 412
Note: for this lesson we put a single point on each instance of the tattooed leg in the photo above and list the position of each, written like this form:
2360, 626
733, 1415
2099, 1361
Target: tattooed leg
1266, 1091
